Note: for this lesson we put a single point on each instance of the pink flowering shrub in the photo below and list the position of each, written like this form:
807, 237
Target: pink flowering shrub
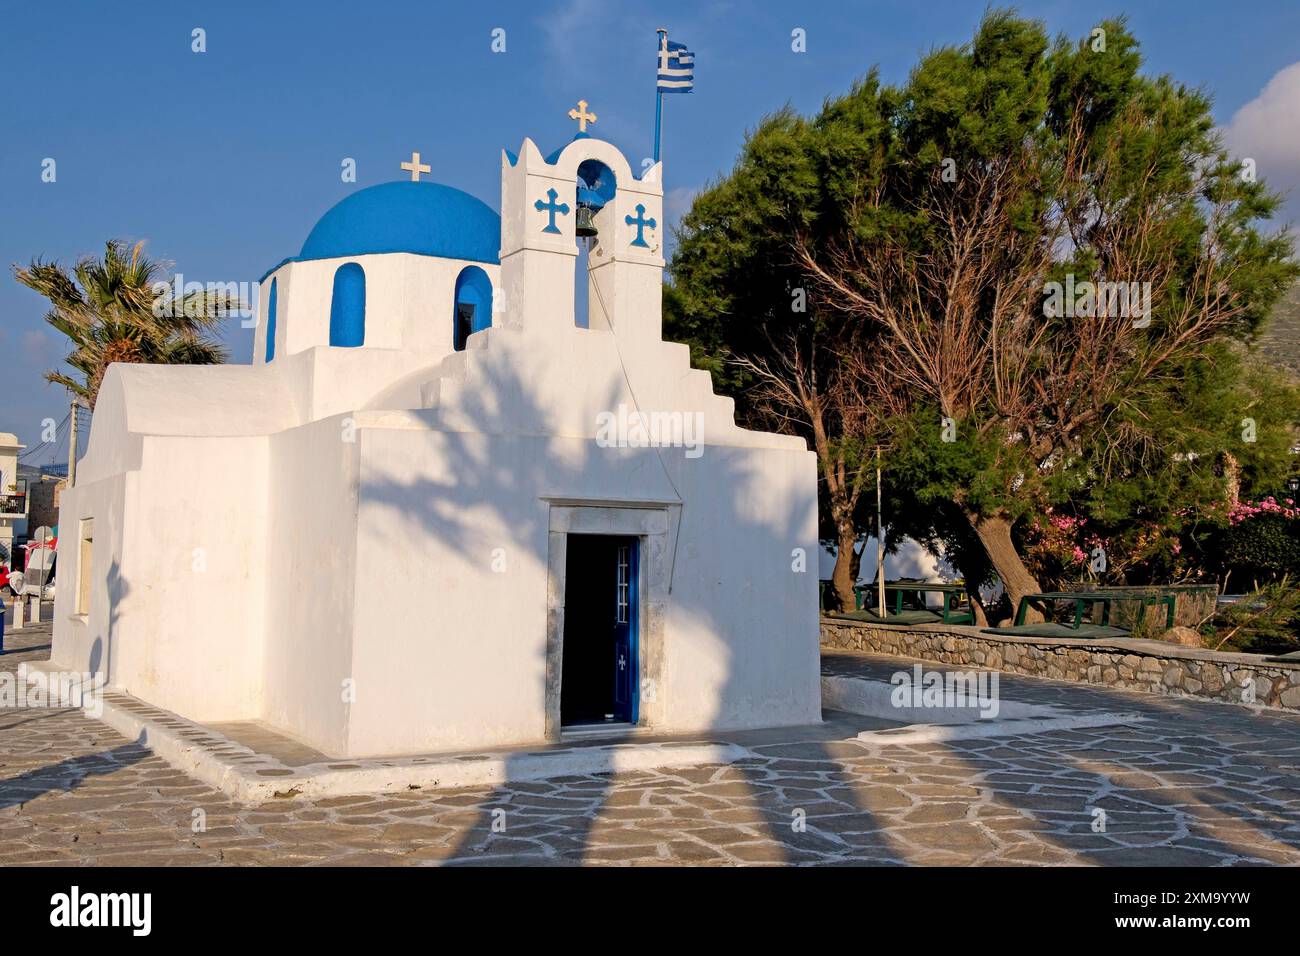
1245, 510
1060, 546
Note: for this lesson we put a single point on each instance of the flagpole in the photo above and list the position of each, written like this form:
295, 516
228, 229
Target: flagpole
659, 94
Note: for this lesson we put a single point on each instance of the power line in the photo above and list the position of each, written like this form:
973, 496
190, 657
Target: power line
56, 451
46, 445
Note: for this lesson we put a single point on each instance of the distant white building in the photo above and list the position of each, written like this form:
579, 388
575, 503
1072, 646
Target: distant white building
910, 559
13, 498
435, 513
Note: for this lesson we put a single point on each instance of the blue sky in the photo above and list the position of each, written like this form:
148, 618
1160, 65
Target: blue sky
224, 160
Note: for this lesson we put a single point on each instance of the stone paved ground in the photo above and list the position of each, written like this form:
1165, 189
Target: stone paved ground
1198, 784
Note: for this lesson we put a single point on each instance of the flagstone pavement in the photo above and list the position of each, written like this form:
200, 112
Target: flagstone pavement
1198, 784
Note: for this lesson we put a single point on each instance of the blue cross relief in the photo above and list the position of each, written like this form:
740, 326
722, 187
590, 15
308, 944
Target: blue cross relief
551, 208
640, 222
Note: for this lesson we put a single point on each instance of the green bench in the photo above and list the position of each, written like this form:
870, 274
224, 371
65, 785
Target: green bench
1106, 599
951, 611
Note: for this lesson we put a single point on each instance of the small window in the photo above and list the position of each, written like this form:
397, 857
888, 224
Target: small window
623, 585
270, 323
348, 307
464, 324
85, 556
472, 311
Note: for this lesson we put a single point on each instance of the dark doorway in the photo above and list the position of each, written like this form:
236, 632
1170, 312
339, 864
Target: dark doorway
464, 325
598, 681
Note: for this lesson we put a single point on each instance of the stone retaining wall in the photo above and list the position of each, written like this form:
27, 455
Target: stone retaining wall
1153, 666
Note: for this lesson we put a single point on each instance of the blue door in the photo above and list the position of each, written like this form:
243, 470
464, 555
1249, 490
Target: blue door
625, 603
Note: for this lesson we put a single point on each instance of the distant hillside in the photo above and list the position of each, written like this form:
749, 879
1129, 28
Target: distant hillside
1280, 343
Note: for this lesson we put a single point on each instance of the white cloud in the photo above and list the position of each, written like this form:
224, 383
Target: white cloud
1267, 130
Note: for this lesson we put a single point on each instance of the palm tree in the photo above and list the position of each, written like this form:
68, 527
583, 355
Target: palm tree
120, 309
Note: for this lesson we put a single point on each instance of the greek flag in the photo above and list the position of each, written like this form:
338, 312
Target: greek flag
676, 67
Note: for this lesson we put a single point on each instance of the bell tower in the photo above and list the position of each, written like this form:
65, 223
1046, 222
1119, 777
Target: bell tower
583, 192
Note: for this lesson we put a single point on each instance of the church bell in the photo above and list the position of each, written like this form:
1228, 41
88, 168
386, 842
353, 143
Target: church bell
585, 222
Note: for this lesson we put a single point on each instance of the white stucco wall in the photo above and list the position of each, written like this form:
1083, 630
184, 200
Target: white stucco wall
178, 570
194, 577
83, 642
449, 653
312, 529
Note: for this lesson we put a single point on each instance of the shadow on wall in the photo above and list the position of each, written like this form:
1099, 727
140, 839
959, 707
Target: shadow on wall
100, 654
451, 509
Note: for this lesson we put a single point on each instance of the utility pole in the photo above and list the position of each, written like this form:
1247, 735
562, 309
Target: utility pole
72, 444
880, 545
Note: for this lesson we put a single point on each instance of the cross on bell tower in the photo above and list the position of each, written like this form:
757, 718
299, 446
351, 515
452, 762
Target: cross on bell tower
639, 221
582, 116
415, 167
551, 207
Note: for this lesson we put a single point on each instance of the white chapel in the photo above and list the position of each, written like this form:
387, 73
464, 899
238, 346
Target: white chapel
441, 511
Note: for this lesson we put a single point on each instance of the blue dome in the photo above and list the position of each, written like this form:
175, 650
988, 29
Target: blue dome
427, 219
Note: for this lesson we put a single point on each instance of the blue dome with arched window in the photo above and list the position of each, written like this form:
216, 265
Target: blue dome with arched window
423, 218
